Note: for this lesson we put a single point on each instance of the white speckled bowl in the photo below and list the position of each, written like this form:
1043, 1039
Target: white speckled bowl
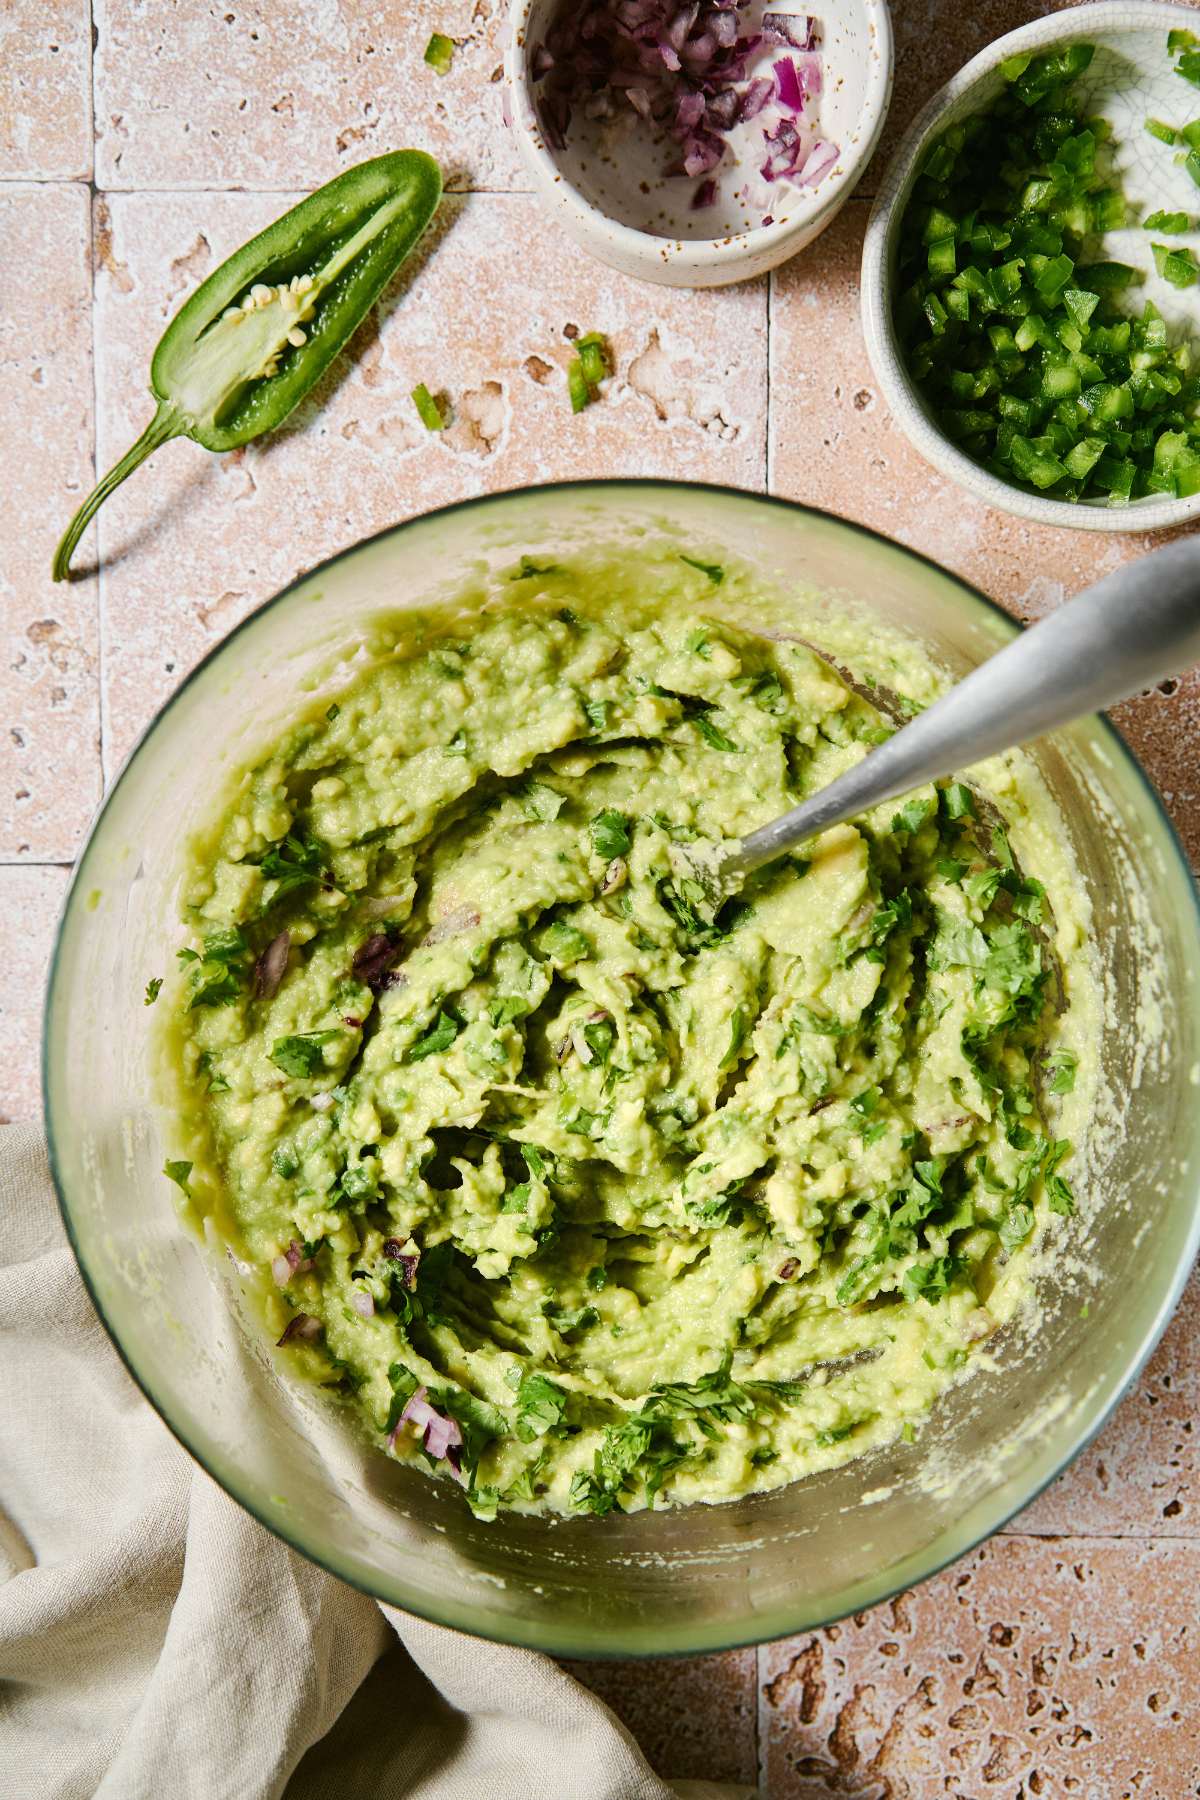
629, 215
1131, 78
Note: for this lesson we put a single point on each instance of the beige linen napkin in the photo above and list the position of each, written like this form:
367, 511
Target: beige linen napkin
156, 1642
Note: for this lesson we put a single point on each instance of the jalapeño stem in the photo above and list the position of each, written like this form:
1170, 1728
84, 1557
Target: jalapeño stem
165, 425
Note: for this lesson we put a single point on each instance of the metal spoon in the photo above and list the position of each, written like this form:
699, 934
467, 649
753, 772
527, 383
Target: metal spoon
1115, 638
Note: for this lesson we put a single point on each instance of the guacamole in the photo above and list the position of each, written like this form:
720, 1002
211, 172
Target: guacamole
582, 1195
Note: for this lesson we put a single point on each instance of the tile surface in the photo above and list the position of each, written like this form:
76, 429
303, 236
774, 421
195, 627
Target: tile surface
49, 672
695, 1719
1029, 1669
252, 94
46, 91
1060, 1660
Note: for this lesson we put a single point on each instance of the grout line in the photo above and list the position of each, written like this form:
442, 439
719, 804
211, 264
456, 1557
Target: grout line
33, 862
101, 659
216, 187
1099, 1537
91, 87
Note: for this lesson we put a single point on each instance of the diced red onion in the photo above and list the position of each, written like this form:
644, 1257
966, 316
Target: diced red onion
796, 29
701, 152
787, 85
291, 1261
409, 1261
451, 924
724, 28
381, 906
270, 968
820, 161
683, 69
755, 96
320, 1102
301, 1326
787, 1269
363, 1303
375, 959
441, 1435
690, 110
808, 68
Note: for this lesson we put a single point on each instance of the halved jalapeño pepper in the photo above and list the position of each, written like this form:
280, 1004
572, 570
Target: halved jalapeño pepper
258, 333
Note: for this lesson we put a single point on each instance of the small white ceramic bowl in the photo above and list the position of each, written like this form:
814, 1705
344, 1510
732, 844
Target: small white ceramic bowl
627, 214
1131, 79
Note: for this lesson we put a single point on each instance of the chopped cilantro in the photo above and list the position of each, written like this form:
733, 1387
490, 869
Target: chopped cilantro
178, 1172
600, 1035
712, 734
714, 571
577, 1319
534, 1159
1014, 960
528, 568
217, 1083
1058, 1192
933, 1280
540, 1407
1016, 1225
302, 1055
332, 711
913, 814
439, 1037
1060, 1066
957, 801
597, 1278
540, 802
597, 714
834, 1434
153, 990
214, 985
610, 834
404, 1385
738, 1021
293, 862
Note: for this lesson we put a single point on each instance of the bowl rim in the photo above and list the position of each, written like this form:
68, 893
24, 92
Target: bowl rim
1146, 514
870, 1592
700, 257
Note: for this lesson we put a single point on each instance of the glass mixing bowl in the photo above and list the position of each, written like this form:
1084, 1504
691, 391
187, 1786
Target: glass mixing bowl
704, 1577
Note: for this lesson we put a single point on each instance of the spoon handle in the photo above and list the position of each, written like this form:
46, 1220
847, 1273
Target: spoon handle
1116, 637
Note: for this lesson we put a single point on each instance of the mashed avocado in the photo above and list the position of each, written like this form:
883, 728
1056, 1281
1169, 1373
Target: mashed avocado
576, 1192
